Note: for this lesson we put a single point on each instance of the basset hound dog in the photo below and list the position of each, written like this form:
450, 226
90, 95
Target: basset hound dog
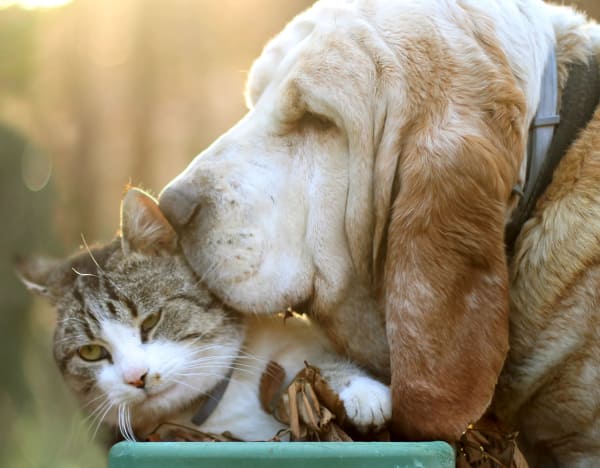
370, 185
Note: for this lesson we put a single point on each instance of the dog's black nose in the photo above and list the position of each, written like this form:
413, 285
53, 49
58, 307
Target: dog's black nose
177, 204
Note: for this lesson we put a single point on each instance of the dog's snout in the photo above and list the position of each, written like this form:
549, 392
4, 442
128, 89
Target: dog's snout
177, 205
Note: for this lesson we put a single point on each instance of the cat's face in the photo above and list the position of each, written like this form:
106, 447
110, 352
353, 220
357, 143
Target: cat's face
137, 337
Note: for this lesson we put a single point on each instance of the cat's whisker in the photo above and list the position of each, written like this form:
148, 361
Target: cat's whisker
120, 420
128, 423
209, 370
248, 368
241, 368
207, 347
123, 422
227, 360
191, 387
184, 356
239, 354
213, 362
246, 355
217, 364
220, 358
247, 371
194, 358
249, 386
204, 374
122, 427
195, 374
93, 400
101, 417
89, 251
196, 390
216, 369
232, 353
126, 416
99, 408
95, 418
233, 356
223, 365
79, 273
192, 348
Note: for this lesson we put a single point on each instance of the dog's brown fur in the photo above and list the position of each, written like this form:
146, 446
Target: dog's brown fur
413, 116
451, 193
549, 387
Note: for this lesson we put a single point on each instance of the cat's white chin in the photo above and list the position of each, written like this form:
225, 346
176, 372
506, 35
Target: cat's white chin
166, 405
147, 410
156, 393
162, 403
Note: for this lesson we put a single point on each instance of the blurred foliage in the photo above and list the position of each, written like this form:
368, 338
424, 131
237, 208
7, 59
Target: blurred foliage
98, 94
16, 49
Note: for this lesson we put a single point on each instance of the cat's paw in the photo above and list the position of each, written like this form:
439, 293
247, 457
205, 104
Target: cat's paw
368, 403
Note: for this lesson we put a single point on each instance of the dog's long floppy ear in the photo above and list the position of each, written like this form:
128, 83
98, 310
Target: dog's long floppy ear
445, 279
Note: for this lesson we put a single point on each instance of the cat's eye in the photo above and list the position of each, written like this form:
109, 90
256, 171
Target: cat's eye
150, 322
92, 352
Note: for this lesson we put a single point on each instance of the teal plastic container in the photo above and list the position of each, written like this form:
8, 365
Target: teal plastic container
281, 455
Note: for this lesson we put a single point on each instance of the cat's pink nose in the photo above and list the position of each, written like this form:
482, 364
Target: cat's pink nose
136, 377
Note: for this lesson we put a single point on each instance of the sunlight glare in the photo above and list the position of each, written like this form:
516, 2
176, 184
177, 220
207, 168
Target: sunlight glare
33, 4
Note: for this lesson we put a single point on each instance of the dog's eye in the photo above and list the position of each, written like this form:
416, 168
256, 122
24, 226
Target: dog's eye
93, 352
150, 322
301, 119
315, 120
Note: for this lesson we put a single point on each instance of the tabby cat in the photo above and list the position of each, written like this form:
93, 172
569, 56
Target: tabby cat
141, 341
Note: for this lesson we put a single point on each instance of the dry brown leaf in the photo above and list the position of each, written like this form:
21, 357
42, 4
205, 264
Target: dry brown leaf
486, 445
302, 408
170, 432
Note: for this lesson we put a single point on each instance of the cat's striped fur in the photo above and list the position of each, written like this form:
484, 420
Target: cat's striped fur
141, 341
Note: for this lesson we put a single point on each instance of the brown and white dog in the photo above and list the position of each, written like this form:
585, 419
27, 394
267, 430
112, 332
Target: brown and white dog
371, 182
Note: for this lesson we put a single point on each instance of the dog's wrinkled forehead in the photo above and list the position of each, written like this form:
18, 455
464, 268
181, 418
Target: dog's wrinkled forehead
310, 56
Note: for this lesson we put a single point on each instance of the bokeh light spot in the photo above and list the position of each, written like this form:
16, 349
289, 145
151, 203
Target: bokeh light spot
36, 169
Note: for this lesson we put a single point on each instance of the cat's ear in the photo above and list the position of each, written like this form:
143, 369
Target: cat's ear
38, 274
143, 226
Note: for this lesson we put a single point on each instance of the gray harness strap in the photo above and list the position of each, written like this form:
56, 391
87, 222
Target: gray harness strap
542, 128
213, 399
547, 146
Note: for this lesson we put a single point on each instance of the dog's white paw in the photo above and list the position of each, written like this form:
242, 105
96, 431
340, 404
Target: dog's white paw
368, 403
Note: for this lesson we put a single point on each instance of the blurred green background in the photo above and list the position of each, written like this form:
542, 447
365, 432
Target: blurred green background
95, 94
